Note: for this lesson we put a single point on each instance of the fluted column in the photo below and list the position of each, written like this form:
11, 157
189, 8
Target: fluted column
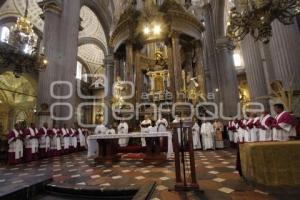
228, 88
61, 45
254, 69
285, 48
109, 72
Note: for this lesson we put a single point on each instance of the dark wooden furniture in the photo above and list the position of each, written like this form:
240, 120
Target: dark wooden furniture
183, 147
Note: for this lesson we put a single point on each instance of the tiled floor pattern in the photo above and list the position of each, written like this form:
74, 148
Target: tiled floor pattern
215, 173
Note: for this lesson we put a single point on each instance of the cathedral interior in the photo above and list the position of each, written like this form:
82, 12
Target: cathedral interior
92, 62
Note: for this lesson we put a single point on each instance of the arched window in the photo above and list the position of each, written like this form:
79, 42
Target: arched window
4, 34
81, 72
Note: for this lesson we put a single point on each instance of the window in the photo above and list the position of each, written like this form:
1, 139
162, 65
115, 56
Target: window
81, 72
237, 60
4, 34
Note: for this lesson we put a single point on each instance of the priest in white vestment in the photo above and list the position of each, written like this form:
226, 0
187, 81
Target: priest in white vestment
207, 132
100, 129
145, 124
110, 131
15, 145
284, 125
196, 136
161, 124
123, 129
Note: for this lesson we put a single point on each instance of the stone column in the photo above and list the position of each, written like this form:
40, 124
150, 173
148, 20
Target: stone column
52, 15
109, 72
199, 69
61, 45
171, 70
129, 61
228, 88
176, 64
210, 58
285, 48
254, 69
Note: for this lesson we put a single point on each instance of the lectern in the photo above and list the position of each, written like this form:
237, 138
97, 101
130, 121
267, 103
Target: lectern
184, 157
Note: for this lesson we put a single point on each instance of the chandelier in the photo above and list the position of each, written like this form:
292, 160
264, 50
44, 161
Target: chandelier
22, 34
258, 16
21, 52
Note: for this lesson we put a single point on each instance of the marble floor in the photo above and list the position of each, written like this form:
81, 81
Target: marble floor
215, 173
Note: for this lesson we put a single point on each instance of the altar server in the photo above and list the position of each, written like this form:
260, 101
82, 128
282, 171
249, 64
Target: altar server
81, 137
219, 128
31, 143
44, 141
265, 127
207, 132
100, 129
123, 129
284, 124
145, 124
66, 138
73, 139
15, 145
196, 135
55, 141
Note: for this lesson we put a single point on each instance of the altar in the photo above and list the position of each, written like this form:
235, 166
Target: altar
271, 163
96, 142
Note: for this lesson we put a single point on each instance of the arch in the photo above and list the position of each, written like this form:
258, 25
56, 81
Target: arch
102, 14
90, 40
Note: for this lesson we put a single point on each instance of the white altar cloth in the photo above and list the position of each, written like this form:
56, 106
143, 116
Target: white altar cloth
93, 144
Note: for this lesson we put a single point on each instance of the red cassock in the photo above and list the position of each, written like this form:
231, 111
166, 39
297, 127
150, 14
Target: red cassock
44, 142
55, 142
284, 126
15, 147
31, 144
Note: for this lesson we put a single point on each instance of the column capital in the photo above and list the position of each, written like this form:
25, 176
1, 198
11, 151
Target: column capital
53, 6
109, 60
224, 44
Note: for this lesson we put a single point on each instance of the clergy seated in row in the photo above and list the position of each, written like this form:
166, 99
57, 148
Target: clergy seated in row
263, 127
